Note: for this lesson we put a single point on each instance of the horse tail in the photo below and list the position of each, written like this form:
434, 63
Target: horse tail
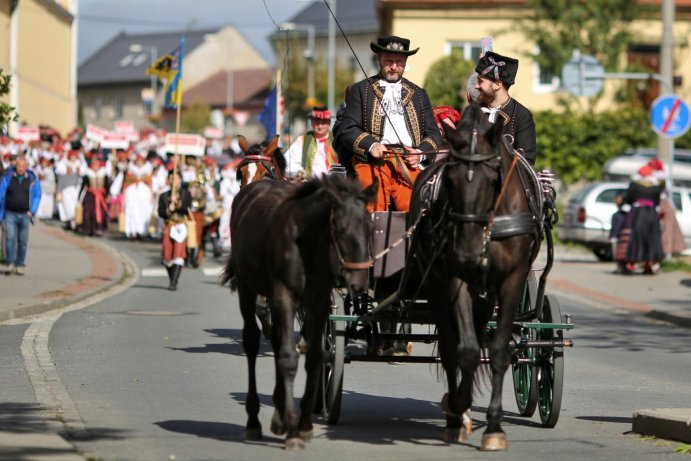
228, 275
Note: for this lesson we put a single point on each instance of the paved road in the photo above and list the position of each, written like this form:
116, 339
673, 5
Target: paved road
150, 375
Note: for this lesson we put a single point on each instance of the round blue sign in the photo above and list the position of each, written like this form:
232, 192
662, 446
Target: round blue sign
669, 116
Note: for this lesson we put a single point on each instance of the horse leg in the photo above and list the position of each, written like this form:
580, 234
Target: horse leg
286, 359
250, 343
468, 353
494, 437
316, 314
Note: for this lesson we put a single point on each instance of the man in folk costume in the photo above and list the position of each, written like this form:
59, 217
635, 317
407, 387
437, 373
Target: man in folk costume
95, 186
173, 206
495, 75
384, 110
312, 154
138, 199
69, 172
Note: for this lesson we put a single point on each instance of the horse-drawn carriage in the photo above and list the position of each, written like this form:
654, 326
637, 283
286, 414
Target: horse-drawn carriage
461, 260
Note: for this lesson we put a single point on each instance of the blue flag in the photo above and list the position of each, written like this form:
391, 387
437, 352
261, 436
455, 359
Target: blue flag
268, 114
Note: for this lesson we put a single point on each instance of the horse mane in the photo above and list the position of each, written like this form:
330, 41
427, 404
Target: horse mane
313, 185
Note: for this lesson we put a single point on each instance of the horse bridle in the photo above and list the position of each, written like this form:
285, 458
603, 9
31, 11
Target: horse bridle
264, 160
347, 265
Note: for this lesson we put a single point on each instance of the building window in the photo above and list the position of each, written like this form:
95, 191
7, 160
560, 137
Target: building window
469, 50
544, 81
117, 106
98, 103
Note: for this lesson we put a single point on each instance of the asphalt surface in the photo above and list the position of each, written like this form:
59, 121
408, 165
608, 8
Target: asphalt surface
65, 270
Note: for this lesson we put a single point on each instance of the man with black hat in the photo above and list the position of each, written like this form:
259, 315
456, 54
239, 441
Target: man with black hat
385, 110
495, 75
312, 153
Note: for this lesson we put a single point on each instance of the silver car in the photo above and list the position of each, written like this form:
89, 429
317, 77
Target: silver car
587, 218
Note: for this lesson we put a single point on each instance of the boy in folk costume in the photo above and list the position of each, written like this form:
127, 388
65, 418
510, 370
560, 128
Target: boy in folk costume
312, 154
173, 206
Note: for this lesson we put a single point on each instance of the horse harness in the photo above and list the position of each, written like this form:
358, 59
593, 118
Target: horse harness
264, 160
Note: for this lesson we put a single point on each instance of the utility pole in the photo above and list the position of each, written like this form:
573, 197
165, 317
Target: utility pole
665, 147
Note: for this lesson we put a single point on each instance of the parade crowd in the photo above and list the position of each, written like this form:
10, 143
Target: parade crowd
90, 189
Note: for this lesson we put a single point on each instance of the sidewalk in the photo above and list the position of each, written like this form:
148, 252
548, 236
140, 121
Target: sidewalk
64, 268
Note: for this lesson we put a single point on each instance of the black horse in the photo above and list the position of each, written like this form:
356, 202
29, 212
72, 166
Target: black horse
477, 237
289, 244
262, 161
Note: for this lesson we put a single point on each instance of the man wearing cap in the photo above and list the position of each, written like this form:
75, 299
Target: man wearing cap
312, 154
383, 110
495, 75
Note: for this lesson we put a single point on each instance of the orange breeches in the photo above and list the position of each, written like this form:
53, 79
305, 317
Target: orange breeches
393, 186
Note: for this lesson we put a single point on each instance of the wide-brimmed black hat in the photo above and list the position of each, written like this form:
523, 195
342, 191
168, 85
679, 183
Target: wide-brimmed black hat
393, 44
497, 67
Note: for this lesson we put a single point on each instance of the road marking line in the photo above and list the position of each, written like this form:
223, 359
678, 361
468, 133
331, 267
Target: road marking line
154, 272
213, 271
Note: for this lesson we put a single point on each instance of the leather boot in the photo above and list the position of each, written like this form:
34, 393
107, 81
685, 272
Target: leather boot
174, 276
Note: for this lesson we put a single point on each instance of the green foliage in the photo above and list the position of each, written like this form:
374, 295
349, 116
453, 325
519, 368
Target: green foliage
596, 27
446, 79
7, 113
194, 118
576, 146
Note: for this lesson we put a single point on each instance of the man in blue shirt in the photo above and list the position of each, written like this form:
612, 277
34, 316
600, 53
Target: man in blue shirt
20, 194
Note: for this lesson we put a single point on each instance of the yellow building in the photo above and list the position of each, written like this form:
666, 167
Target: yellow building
38, 49
438, 26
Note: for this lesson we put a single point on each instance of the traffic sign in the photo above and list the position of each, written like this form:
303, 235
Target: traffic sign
669, 116
583, 75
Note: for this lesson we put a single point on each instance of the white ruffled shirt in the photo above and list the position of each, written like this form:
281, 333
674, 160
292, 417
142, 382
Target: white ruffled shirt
394, 124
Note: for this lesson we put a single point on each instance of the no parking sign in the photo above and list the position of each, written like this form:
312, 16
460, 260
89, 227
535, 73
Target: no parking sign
669, 116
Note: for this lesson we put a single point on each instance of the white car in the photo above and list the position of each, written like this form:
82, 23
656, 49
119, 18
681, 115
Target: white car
622, 167
587, 218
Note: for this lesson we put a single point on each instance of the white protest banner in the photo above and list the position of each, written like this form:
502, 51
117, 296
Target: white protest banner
95, 133
127, 128
26, 133
115, 141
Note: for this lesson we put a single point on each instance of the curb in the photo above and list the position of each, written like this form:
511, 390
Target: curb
665, 423
126, 269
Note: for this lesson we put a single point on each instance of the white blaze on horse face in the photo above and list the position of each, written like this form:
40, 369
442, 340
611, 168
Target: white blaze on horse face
251, 172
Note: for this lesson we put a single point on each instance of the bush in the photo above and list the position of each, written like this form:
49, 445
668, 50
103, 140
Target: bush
576, 146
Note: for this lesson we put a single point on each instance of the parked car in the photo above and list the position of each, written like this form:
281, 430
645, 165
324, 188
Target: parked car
587, 217
622, 167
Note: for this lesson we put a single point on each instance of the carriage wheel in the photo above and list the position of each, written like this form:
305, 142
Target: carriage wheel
332, 369
550, 366
524, 378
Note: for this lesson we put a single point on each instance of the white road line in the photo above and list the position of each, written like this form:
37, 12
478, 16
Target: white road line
154, 272
213, 271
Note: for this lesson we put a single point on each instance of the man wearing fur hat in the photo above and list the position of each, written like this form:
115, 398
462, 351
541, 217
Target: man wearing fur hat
495, 75
385, 110
312, 154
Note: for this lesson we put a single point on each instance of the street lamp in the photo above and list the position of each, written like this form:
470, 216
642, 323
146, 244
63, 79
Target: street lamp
138, 48
309, 52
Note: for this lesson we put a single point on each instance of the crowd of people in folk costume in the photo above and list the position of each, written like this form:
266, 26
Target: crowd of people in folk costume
89, 189
644, 229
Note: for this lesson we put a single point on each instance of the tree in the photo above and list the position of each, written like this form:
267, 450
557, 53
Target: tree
446, 78
7, 112
596, 27
195, 117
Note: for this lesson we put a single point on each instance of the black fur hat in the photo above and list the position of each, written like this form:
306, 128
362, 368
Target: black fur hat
498, 68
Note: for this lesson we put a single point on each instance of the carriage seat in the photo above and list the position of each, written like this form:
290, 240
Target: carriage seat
389, 226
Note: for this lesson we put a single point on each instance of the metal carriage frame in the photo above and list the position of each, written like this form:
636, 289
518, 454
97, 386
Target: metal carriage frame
537, 347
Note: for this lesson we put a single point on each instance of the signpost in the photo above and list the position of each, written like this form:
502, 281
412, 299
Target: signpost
583, 75
669, 116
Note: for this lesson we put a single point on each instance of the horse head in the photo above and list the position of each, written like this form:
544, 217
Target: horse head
262, 161
472, 183
351, 228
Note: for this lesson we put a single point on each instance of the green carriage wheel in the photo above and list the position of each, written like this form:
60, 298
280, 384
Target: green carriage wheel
550, 366
524, 378
334, 354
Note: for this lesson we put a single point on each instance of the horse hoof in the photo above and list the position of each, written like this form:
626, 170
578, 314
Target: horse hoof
277, 426
307, 435
294, 443
494, 442
456, 435
253, 434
